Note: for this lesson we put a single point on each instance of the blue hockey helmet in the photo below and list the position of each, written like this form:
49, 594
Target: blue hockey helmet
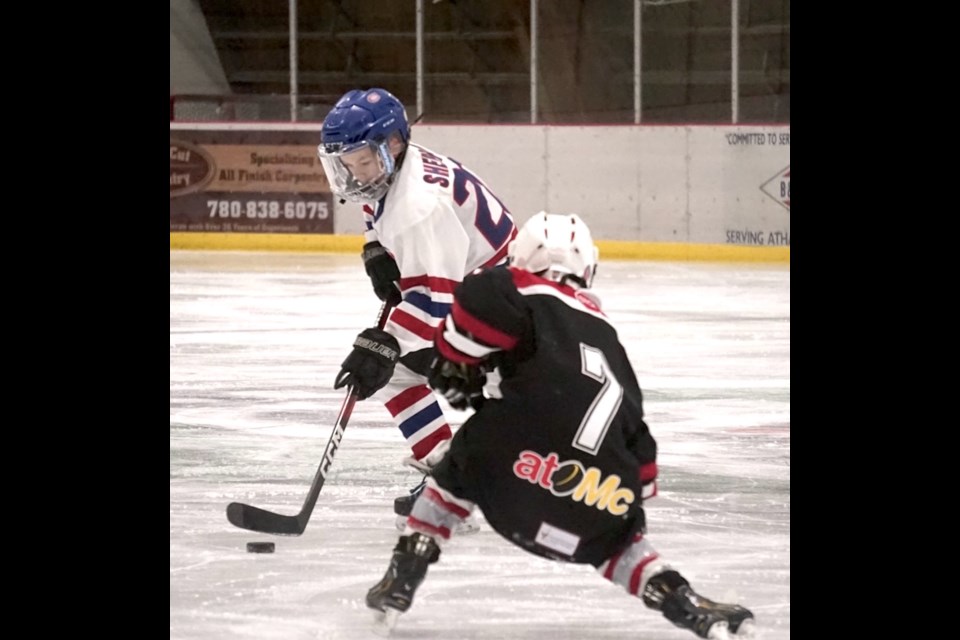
355, 143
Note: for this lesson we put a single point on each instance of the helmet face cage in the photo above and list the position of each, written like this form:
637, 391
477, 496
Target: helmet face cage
558, 247
362, 120
341, 178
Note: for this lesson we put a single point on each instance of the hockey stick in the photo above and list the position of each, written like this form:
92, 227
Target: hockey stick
247, 516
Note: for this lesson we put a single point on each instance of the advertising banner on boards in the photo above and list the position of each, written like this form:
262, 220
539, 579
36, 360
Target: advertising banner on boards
247, 181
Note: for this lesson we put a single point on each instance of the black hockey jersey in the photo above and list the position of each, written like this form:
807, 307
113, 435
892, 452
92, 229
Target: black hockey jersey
554, 457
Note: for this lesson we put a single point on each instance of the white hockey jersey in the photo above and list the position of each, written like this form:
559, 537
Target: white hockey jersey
440, 222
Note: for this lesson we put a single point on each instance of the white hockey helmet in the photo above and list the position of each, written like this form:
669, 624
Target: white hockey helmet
557, 246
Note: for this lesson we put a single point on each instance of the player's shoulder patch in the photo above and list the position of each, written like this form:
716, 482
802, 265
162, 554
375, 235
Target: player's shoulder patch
590, 300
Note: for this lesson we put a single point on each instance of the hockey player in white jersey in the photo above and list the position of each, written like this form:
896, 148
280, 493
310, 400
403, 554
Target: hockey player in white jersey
430, 221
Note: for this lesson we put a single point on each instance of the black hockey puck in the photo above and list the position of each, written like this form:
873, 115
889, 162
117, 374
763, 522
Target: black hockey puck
261, 547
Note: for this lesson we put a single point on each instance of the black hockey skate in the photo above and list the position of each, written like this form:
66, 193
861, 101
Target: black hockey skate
403, 505
408, 567
670, 593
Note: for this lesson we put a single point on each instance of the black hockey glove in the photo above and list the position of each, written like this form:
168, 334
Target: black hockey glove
370, 365
383, 272
460, 384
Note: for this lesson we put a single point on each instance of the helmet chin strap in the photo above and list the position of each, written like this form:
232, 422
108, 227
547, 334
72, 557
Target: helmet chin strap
576, 280
564, 279
399, 161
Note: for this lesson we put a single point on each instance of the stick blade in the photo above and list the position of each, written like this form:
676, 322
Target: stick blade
253, 518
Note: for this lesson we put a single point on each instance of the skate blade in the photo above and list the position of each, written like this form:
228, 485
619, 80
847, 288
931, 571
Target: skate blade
385, 621
720, 631
746, 631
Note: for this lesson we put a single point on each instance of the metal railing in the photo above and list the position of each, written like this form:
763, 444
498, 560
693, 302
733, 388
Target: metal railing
712, 86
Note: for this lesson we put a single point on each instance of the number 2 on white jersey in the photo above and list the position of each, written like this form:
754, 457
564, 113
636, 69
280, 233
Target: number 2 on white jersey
496, 233
594, 425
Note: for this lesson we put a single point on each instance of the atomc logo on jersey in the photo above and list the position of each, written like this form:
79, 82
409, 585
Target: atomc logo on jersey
191, 168
570, 478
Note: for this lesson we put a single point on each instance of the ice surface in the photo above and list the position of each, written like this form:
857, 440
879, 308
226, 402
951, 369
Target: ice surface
256, 340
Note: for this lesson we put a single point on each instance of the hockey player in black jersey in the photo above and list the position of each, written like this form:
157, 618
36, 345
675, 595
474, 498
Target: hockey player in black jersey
557, 454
